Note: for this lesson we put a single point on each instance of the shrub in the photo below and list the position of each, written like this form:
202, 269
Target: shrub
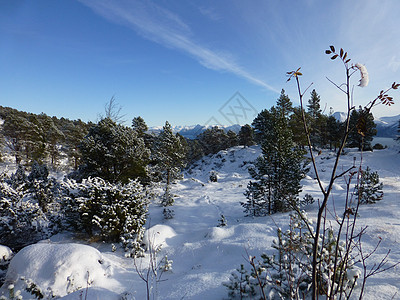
379, 146
287, 274
113, 212
28, 209
369, 189
213, 176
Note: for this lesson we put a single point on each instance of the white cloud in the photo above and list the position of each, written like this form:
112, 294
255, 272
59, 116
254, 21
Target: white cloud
166, 28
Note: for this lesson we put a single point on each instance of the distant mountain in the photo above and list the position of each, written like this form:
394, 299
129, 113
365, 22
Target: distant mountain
340, 116
386, 126
191, 132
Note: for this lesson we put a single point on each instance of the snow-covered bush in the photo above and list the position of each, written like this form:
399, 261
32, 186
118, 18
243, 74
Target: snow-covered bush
222, 221
168, 213
287, 273
38, 172
28, 210
369, 190
114, 212
307, 200
49, 270
213, 176
167, 199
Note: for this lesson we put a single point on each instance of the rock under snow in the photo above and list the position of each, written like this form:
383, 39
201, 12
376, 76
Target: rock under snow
5, 253
60, 268
157, 235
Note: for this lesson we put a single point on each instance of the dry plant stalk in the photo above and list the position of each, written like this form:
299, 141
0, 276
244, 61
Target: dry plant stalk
348, 220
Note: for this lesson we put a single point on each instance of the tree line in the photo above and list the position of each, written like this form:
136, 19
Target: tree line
117, 152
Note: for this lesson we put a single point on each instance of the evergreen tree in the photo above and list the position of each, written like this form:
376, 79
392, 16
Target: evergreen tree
213, 140
51, 137
232, 138
369, 189
263, 125
334, 130
195, 151
313, 106
316, 121
169, 154
297, 127
139, 125
74, 133
141, 128
113, 152
36, 148
363, 129
322, 123
246, 136
115, 212
14, 131
283, 105
278, 171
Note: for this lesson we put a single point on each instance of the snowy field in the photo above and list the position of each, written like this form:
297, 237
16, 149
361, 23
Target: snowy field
204, 255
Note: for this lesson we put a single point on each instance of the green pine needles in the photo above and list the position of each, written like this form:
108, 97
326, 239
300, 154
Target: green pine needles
369, 189
278, 171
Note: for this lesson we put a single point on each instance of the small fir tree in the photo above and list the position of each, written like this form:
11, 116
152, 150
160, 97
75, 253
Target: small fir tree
369, 189
169, 155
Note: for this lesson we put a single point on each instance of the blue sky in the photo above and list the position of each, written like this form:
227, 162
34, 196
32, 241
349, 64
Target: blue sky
185, 61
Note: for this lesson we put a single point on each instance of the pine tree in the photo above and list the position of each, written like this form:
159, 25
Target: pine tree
297, 127
232, 138
195, 151
333, 130
115, 212
262, 125
113, 152
369, 189
74, 133
279, 169
213, 140
314, 107
316, 122
139, 125
246, 136
52, 138
14, 133
284, 105
363, 129
170, 155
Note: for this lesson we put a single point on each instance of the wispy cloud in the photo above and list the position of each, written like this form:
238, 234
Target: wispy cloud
166, 28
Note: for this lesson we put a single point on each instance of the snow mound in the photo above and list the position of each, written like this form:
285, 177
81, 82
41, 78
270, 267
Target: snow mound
93, 293
220, 233
5, 253
60, 268
157, 235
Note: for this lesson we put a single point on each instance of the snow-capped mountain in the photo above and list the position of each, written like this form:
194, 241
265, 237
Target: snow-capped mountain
340, 116
191, 132
386, 126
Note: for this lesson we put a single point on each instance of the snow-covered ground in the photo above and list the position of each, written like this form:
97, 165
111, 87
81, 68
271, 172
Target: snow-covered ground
203, 254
